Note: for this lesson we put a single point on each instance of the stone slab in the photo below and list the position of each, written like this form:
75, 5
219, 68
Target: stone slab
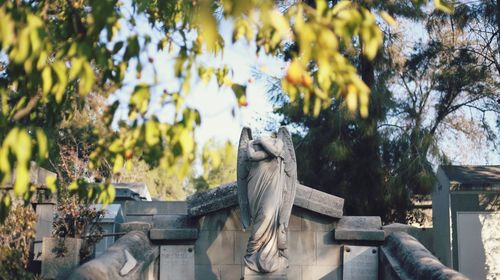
155, 208
321, 272
177, 262
360, 262
358, 234
360, 228
56, 267
173, 234
43, 227
173, 221
227, 196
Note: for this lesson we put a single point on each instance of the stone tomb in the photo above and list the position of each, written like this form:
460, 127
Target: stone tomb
202, 239
209, 225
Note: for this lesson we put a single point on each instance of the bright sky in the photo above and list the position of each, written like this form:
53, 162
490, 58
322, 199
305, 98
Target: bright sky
216, 105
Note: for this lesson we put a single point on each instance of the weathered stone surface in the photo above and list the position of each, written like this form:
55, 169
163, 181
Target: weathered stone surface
294, 273
321, 272
302, 247
226, 196
311, 221
328, 251
249, 274
173, 221
225, 219
403, 257
320, 202
230, 271
360, 262
240, 246
43, 227
360, 228
396, 227
54, 267
368, 235
134, 226
214, 247
173, 234
142, 208
136, 218
213, 200
177, 262
109, 265
206, 272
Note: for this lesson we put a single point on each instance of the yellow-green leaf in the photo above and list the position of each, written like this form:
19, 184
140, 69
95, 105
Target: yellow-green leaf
444, 6
152, 133
388, 18
87, 79
62, 80
76, 67
23, 147
20, 53
50, 182
22, 180
42, 144
186, 141
6, 29
118, 165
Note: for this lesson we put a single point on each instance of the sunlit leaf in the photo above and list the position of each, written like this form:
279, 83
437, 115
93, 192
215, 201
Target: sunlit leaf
42, 144
444, 6
50, 182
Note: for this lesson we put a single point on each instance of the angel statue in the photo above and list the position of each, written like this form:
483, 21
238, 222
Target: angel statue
267, 175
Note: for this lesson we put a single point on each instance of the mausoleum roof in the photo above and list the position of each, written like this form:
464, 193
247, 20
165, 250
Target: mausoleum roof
472, 176
225, 196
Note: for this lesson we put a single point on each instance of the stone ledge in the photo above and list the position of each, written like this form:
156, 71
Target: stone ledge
403, 257
142, 208
227, 196
366, 228
135, 226
173, 221
173, 234
368, 235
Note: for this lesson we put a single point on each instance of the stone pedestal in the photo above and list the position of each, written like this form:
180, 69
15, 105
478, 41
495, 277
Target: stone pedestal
249, 274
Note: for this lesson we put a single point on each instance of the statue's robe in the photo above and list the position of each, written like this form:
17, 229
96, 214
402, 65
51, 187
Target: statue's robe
265, 194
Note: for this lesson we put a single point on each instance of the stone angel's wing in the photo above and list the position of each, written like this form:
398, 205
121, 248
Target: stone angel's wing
290, 178
242, 174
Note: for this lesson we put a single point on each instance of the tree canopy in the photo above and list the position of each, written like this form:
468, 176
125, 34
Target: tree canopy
421, 93
54, 53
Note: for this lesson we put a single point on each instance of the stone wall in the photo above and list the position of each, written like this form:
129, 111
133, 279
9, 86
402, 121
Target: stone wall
221, 244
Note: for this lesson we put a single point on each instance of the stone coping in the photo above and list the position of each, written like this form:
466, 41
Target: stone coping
227, 196
368, 228
406, 258
173, 234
